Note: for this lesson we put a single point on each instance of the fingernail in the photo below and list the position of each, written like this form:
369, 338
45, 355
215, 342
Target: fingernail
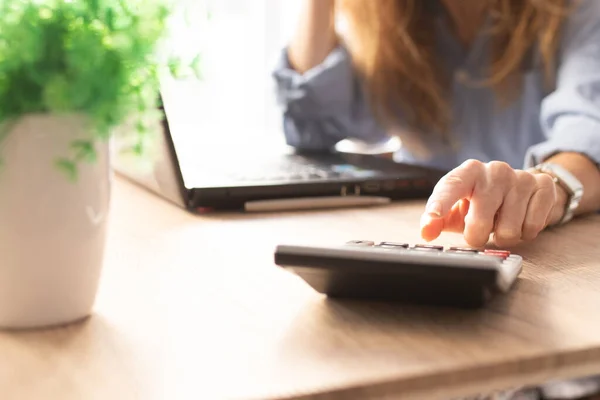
434, 209
425, 220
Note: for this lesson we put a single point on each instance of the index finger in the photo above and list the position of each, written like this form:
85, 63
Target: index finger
456, 185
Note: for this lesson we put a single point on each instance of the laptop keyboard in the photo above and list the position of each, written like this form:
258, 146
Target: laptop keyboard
295, 170
289, 172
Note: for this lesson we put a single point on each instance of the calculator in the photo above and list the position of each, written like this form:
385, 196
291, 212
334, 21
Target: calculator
402, 272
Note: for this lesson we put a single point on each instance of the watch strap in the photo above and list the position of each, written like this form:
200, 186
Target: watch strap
567, 181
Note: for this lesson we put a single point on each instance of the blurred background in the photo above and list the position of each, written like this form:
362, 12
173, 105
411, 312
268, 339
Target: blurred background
239, 42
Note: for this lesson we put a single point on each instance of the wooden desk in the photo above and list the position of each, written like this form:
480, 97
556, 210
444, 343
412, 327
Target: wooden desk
193, 308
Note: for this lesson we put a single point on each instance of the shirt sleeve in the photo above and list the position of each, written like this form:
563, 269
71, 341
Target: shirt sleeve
325, 104
570, 115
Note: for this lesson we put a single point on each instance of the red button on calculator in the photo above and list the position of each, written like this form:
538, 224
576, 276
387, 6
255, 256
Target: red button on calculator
498, 253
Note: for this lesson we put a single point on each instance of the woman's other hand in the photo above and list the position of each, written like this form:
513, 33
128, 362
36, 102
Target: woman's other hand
314, 37
479, 199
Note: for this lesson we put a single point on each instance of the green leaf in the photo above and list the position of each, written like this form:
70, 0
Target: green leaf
56, 94
175, 67
138, 148
84, 150
68, 168
110, 19
125, 8
140, 127
196, 66
94, 6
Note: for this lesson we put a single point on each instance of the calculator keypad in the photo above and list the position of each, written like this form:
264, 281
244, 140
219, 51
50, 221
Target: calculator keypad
500, 254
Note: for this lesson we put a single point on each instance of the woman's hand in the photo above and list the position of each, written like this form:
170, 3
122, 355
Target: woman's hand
314, 37
478, 199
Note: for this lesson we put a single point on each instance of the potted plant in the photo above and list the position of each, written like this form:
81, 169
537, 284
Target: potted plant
72, 73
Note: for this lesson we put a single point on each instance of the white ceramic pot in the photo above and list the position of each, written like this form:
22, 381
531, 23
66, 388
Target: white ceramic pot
52, 229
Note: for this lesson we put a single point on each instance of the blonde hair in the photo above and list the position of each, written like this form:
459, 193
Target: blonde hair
393, 51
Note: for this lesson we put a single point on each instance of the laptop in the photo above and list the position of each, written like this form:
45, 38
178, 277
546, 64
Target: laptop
212, 180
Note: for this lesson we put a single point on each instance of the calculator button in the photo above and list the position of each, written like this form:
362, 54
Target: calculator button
496, 256
498, 253
463, 250
428, 247
366, 243
393, 245
503, 252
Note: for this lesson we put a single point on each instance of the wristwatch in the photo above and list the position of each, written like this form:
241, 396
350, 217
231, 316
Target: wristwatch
569, 183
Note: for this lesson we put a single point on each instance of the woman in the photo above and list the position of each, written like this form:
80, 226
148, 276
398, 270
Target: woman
481, 88
504, 94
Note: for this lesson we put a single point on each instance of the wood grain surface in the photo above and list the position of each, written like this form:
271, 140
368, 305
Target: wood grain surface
193, 308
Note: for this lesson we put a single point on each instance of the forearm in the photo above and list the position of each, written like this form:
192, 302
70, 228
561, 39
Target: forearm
588, 174
315, 35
